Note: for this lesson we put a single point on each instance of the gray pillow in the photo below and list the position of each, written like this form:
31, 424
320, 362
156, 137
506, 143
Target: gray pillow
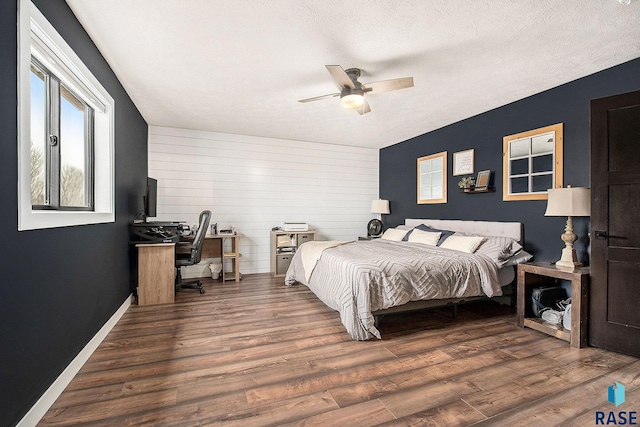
518, 258
500, 249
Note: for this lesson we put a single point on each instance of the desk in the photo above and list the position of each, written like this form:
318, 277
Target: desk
156, 266
156, 273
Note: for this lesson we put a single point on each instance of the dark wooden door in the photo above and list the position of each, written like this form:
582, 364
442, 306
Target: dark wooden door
614, 307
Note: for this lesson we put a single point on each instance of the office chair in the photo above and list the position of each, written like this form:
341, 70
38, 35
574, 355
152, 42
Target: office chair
194, 255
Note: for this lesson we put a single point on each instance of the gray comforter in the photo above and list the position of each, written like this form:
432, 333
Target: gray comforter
357, 278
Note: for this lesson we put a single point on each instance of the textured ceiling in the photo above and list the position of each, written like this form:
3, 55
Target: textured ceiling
240, 66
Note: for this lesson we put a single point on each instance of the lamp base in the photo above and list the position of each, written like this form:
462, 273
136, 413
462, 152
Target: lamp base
569, 259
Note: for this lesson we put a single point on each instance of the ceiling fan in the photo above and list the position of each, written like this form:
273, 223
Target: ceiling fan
352, 92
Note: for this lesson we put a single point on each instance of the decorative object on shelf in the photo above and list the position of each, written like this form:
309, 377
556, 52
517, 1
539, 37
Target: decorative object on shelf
569, 202
463, 162
484, 180
374, 227
295, 226
467, 183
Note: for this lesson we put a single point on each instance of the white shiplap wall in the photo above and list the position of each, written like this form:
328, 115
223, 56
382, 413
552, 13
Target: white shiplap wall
255, 183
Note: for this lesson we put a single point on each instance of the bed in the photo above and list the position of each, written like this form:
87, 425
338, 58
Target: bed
423, 263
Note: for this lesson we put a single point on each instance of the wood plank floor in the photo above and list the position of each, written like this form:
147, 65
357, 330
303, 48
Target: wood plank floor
258, 353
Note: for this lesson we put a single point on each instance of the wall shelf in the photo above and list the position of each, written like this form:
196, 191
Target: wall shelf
486, 190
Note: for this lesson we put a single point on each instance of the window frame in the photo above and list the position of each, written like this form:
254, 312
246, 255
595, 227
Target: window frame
37, 38
557, 163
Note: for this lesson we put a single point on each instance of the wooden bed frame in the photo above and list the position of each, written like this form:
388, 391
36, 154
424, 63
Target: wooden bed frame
481, 228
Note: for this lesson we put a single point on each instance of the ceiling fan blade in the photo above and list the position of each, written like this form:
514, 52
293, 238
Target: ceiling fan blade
364, 109
318, 98
340, 76
389, 85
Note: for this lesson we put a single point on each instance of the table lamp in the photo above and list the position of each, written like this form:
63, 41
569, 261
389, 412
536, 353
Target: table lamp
374, 228
569, 202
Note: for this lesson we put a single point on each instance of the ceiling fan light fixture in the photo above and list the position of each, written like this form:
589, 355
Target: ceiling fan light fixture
352, 100
352, 91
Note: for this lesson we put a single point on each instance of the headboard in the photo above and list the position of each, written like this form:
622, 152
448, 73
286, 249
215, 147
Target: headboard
481, 228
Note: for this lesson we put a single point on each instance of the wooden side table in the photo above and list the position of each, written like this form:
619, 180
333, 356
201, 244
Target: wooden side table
283, 245
537, 274
230, 253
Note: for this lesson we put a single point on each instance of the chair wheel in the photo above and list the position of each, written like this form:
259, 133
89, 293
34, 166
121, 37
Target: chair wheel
201, 291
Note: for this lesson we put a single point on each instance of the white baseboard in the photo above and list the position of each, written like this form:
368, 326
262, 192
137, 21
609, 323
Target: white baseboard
45, 402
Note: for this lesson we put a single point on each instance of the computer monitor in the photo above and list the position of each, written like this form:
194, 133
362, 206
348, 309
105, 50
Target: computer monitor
151, 198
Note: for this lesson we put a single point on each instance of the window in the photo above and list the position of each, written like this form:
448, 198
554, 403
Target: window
61, 144
532, 163
432, 178
66, 126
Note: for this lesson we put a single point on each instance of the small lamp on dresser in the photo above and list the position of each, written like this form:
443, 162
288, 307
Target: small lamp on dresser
569, 202
375, 228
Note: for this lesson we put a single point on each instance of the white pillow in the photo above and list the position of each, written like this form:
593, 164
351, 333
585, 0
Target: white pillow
404, 227
424, 237
393, 234
466, 244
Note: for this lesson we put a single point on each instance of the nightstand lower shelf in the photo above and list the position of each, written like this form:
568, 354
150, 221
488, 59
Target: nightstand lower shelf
553, 330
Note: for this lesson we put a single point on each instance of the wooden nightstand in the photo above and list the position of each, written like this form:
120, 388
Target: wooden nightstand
536, 274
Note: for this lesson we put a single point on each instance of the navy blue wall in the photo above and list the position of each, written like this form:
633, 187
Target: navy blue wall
568, 104
59, 286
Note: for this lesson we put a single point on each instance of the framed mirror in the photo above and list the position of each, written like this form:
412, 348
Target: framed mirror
532, 163
432, 178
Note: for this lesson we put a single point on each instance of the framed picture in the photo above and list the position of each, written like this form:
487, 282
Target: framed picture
463, 162
482, 182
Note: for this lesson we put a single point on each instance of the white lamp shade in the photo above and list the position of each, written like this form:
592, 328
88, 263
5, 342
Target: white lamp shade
380, 206
569, 201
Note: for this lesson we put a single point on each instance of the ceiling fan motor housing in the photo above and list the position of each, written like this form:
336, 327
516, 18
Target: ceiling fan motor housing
352, 97
353, 73
348, 91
